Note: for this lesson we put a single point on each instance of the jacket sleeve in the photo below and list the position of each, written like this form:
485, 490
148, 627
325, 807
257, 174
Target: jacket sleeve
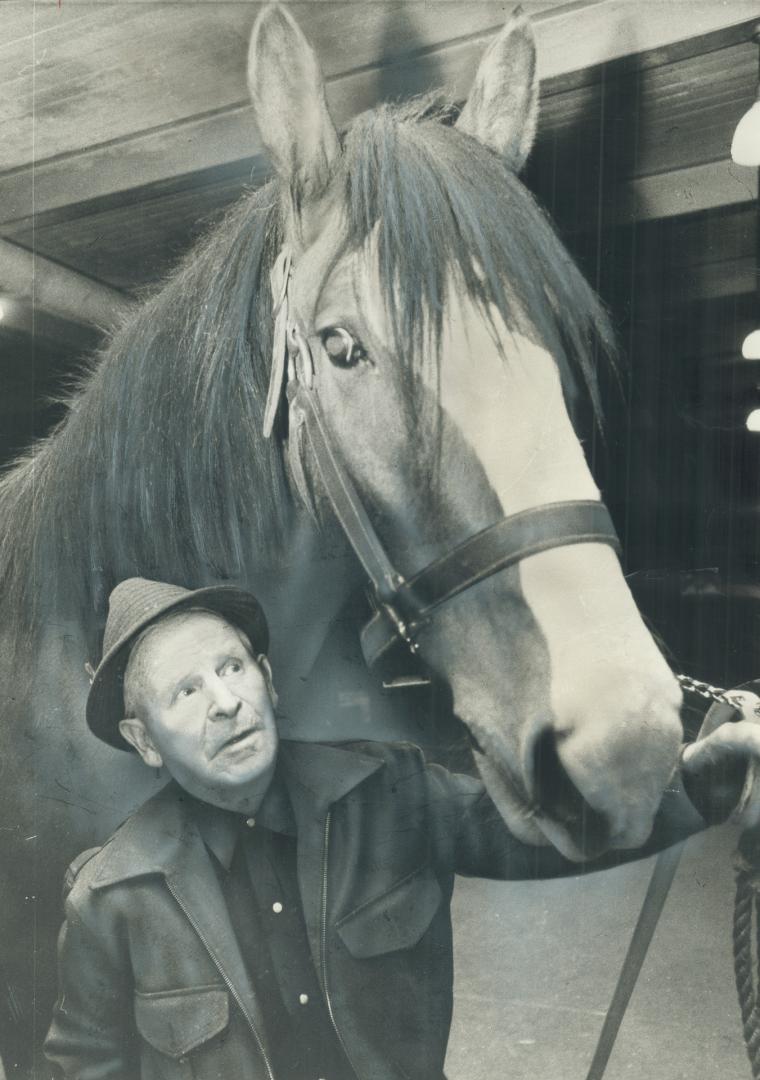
88, 1038
470, 837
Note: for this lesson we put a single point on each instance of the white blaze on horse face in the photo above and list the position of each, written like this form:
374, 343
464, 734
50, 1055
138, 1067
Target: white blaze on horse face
612, 707
510, 409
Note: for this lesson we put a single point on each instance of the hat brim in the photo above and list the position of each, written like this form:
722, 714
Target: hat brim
105, 702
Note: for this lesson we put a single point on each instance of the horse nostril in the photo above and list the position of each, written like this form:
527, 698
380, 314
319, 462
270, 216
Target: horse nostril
561, 800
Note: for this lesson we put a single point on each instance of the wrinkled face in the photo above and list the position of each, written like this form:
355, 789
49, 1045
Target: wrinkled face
207, 711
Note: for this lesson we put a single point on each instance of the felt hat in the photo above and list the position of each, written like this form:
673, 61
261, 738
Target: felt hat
132, 606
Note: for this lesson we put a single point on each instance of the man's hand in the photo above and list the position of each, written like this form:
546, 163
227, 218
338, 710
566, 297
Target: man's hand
727, 760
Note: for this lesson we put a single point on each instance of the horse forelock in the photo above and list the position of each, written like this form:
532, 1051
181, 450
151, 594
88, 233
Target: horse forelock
442, 206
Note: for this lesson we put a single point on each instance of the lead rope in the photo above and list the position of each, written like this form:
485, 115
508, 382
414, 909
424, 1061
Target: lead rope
747, 903
706, 690
746, 926
746, 935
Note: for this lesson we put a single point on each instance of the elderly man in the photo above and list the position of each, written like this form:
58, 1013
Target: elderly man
279, 910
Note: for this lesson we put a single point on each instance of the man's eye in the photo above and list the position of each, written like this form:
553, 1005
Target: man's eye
343, 350
186, 691
232, 667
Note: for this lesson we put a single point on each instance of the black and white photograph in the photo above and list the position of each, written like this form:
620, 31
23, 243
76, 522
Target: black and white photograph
380, 540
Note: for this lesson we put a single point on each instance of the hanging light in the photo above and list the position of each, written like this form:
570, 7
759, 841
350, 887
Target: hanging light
751, 346
753, 420
745, 145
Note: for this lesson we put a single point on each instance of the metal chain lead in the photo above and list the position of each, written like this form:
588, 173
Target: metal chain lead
706, 690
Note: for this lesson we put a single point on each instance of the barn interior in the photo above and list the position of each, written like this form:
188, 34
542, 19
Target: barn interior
127, 133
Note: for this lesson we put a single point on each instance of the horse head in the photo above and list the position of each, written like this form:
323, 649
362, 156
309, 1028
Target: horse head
442, 318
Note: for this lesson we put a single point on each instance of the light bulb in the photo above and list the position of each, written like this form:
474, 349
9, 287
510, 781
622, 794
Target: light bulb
745, 145
753, 420
751, 346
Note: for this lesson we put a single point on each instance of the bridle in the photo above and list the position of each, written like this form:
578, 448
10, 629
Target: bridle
402, 606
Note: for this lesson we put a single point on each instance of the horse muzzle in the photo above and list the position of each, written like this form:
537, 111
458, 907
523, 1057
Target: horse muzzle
589, 785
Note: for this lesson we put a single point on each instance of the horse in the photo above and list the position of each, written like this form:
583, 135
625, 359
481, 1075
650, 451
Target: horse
405, 284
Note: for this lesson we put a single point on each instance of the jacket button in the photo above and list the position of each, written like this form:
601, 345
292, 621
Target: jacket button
277, 907
250, 822
303, 999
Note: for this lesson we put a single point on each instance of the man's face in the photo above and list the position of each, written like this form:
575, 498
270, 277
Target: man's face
206, 708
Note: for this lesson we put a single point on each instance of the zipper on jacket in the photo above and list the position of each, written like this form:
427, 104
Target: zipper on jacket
325, 986
224, 975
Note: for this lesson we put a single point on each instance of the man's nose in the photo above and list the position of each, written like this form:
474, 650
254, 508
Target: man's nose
223, 701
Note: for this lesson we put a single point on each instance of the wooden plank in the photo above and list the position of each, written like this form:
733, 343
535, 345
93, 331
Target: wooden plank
89, 73
570, 38
584, 200
655, 119
732, 280
711, 238
57, 289
714, 281
44, 340
135, 243
686, 191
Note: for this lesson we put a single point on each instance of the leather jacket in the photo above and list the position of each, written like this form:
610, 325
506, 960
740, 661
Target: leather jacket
152, 984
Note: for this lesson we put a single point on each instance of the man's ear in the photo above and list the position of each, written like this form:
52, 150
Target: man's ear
266, 670
134, 732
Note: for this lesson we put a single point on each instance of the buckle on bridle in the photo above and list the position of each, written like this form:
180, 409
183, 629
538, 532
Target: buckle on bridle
300, 360
405, 630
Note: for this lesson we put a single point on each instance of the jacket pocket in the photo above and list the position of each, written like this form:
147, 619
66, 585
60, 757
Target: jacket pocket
179, 1021
397, 919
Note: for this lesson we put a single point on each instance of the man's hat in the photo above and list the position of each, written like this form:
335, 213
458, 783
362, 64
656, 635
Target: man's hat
132, 607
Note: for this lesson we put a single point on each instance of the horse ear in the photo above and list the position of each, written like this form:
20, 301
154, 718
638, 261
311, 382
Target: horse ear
502, 108
288, 94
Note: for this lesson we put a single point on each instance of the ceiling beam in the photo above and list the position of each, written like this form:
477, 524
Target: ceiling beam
571, 37
56, 289
685, 191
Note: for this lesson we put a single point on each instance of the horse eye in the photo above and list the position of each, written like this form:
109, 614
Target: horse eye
342, 349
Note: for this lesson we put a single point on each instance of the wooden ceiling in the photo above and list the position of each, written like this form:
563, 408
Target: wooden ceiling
126, 127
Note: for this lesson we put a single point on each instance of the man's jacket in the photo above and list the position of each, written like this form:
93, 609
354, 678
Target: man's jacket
152, 981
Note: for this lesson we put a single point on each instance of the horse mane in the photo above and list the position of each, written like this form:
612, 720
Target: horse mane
159, 468
441, 200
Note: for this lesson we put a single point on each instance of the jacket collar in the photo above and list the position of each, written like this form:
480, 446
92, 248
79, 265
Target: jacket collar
158, 837
222, 829
319, 774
